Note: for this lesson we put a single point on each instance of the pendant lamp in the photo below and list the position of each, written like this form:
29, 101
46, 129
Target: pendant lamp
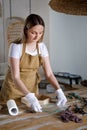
72, 7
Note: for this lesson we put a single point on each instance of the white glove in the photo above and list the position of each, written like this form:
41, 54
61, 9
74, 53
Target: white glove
34, 103
61, 98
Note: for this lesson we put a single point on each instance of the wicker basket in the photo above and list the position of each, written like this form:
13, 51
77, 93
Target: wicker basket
73, 7
14, 31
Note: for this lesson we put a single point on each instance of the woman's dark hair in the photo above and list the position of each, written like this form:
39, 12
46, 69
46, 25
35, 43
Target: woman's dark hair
31, 21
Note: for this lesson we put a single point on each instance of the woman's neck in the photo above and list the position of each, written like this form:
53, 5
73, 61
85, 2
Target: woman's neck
31, 46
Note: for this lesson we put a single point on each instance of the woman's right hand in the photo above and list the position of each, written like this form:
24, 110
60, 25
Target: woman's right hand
34, 103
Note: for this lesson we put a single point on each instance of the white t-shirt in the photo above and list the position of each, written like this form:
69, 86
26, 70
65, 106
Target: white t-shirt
15, 50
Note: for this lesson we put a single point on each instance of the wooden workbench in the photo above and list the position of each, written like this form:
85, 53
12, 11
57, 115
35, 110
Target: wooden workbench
47, 120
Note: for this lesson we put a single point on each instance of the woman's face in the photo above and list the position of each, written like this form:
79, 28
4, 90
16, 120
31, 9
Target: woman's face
35, 33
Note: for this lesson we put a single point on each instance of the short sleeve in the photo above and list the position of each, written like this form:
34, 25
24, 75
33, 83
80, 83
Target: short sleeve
15, 50
43, 50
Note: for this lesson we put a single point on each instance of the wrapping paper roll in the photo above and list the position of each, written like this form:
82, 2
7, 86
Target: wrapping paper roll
12, 107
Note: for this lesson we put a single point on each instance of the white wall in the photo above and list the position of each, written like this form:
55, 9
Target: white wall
68, 43
2, 47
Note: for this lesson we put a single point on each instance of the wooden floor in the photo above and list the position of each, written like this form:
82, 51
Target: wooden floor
47, 120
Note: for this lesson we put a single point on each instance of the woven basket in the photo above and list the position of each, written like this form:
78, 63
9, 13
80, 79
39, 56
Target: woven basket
73, 7
14, 31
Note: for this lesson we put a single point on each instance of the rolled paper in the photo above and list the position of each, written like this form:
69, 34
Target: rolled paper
12, 107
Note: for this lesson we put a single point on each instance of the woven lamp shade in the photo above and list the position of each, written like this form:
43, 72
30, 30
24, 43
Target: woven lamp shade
73, 7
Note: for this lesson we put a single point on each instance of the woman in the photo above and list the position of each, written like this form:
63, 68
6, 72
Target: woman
25, 58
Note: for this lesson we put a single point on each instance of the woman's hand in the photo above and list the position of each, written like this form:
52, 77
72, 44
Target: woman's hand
34, 103
61, 98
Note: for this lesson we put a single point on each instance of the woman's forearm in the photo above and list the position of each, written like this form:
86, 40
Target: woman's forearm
52, 79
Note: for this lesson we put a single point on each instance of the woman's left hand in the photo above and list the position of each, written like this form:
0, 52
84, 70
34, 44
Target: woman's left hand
61, 97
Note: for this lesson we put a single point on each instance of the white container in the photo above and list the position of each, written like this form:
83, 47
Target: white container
50, 88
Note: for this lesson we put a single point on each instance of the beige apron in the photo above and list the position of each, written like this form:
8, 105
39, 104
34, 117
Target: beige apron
28, 73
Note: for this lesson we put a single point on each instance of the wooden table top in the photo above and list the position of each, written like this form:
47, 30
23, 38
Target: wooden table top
47, 120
